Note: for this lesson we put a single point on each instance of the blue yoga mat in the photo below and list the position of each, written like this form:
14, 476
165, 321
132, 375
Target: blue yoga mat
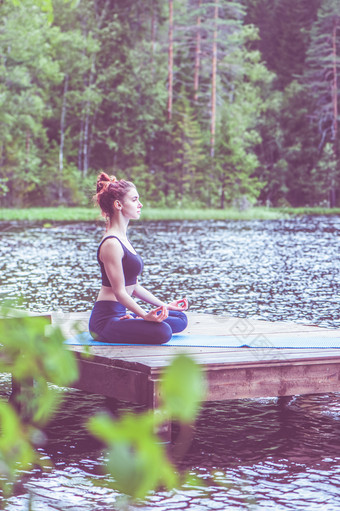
226, 341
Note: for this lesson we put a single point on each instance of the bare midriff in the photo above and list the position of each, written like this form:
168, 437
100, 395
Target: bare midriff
107, 294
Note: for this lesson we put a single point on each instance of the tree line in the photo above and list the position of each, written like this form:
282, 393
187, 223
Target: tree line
199, 102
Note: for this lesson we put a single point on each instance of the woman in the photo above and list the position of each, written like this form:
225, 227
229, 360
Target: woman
120, 266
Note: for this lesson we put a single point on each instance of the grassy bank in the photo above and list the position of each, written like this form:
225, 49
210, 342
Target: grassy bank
64, 214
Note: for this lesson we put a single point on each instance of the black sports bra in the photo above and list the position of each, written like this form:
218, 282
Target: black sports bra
132, 265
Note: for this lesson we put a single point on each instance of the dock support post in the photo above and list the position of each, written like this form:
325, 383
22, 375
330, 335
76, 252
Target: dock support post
17, 397
164, 430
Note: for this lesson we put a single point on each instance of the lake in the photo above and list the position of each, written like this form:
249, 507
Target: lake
248, 454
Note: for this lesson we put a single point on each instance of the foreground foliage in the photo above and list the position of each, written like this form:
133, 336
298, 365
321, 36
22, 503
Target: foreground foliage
30, 352
34, 353
136, 459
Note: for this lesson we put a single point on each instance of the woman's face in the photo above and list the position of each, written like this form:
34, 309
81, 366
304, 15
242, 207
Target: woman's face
131, 205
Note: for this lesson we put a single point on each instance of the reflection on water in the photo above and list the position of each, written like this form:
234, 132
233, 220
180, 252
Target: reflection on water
249, 454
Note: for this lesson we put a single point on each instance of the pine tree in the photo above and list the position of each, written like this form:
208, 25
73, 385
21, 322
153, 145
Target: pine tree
322, 74
284, 28
186, 171
242, 76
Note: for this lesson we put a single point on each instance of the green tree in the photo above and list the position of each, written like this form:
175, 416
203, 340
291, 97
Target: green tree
73, 101
45, 5
284, 29
322, 75
288, 150
27, 71
185, 174
324, 176
289, 137
242, 76
84, 87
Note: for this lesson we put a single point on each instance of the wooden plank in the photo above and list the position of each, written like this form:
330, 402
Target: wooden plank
222, 353
271, 381
211, 324
264, 379
227, 380
124, 384
20, 313
203, 356
116, 361
241, 354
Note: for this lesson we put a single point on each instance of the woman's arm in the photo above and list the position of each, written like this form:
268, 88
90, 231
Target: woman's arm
145, 295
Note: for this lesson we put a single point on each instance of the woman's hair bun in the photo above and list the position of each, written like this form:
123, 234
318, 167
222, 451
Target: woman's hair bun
103, 179
110, 189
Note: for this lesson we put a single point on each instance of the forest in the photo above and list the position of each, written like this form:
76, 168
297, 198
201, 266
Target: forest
200, 103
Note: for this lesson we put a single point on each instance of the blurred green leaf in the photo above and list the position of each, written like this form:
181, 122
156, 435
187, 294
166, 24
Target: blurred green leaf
32, 349
136, 459
16, 452
34, 353
182, 389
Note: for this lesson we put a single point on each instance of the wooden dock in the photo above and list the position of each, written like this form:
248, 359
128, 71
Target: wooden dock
132, 373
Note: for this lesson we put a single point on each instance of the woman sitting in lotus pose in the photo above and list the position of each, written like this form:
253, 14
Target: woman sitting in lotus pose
120, 266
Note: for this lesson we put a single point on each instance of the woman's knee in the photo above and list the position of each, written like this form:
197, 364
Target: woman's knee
162, 333
178, 321
184, 319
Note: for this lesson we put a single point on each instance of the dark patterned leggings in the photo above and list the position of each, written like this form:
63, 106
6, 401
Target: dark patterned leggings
105, 325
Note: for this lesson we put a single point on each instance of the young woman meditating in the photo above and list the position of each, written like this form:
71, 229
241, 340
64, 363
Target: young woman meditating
120, 266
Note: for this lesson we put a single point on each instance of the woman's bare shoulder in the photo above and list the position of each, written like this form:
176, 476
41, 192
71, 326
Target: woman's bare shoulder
110, 247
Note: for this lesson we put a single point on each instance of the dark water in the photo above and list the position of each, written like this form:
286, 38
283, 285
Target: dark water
249, 454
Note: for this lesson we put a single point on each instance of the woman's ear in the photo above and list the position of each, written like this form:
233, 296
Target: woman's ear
117, 204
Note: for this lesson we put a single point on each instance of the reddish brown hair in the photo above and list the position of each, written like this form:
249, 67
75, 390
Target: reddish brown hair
110, 189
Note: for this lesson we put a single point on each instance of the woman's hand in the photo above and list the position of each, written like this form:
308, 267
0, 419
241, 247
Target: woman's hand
157, 315
178, 305
127, 316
